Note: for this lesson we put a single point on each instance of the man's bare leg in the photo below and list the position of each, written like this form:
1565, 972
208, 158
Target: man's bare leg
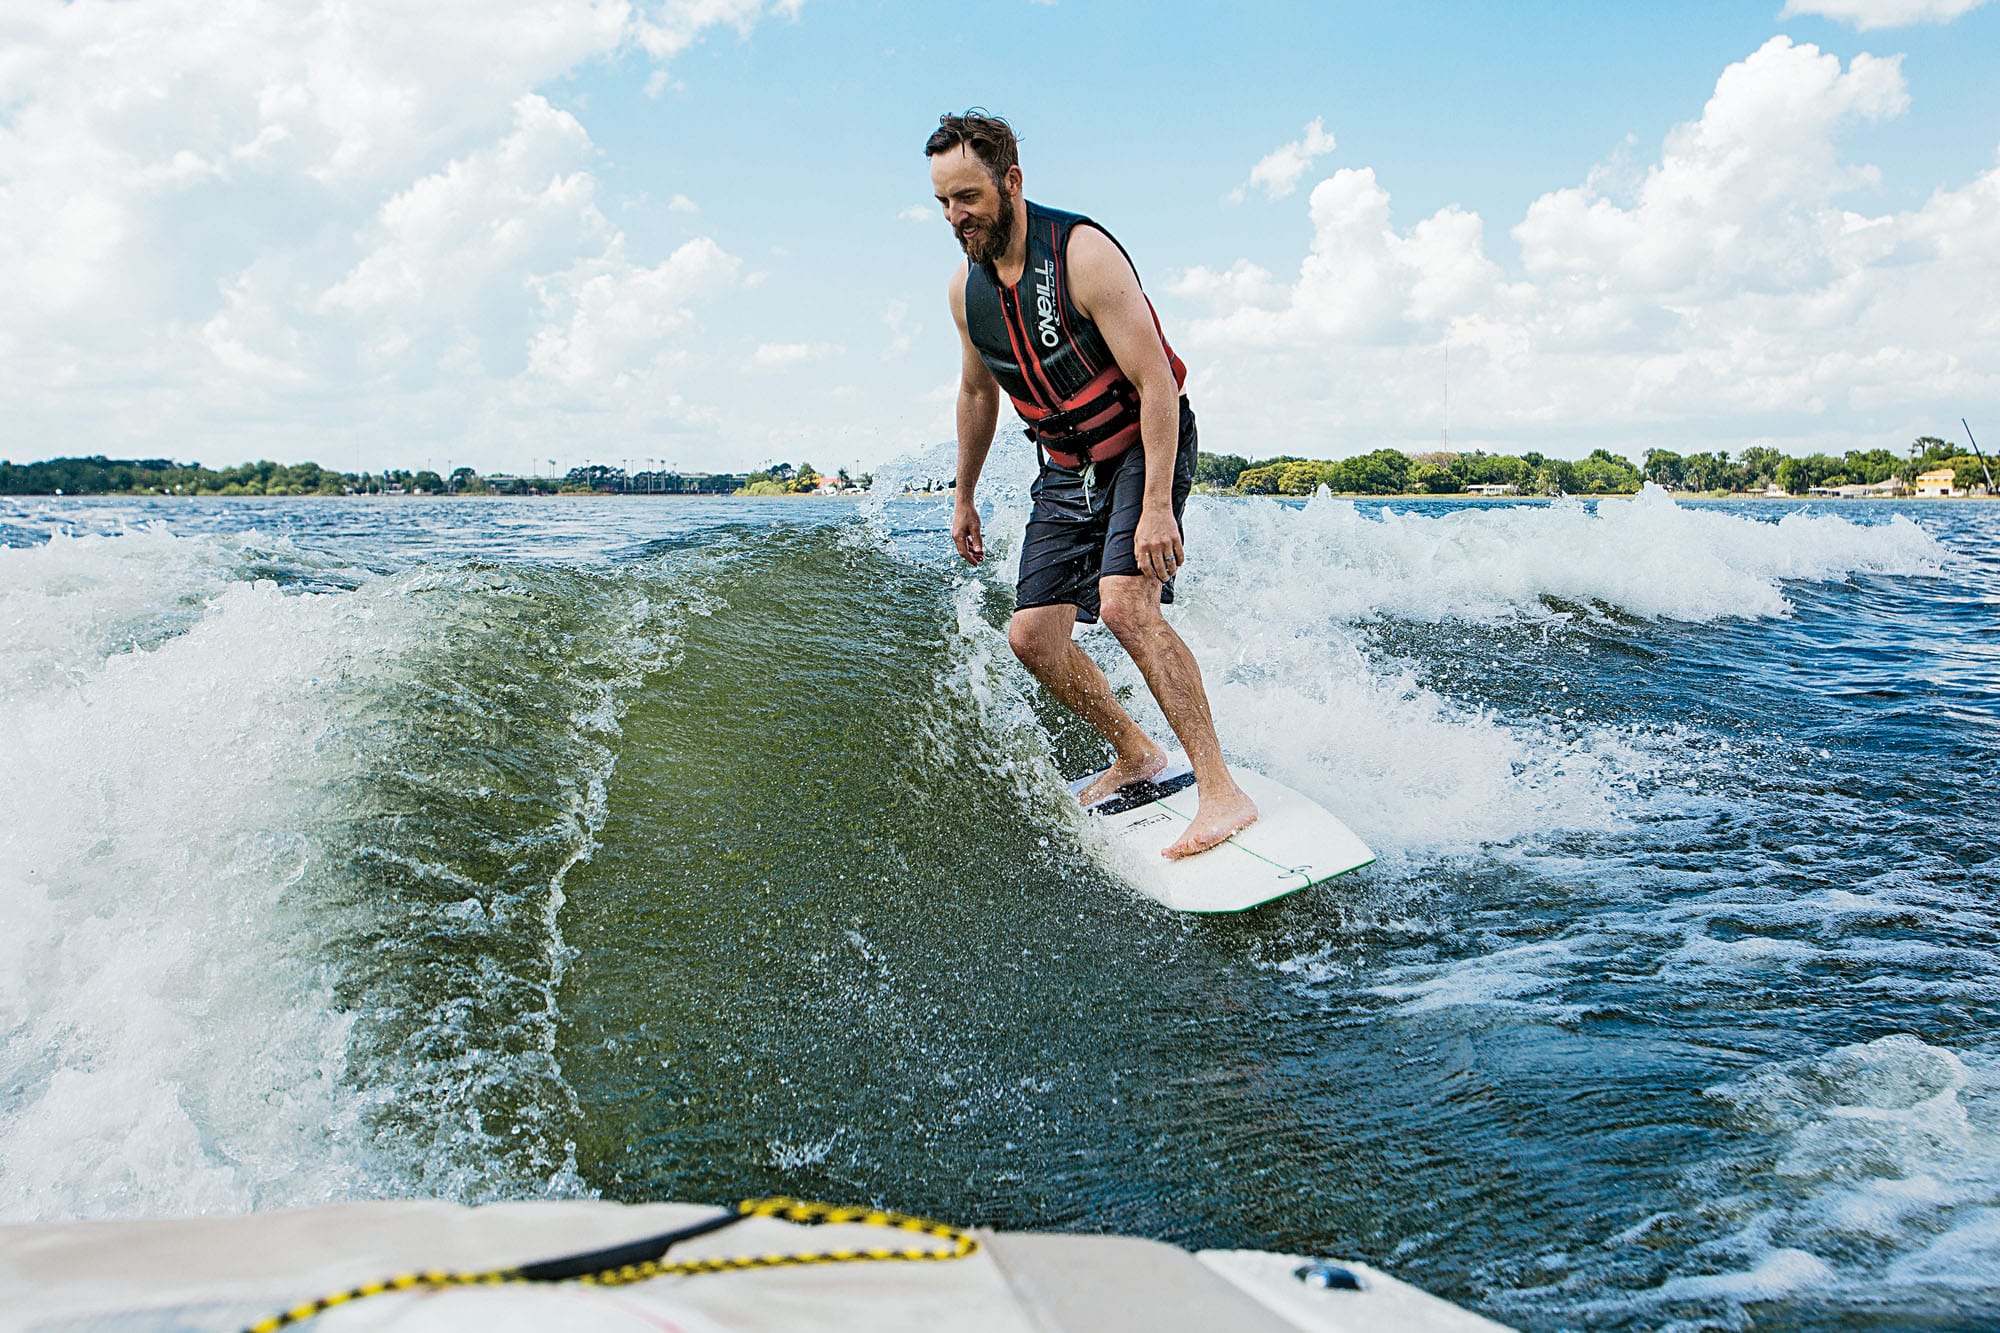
1131, 609
1039, 636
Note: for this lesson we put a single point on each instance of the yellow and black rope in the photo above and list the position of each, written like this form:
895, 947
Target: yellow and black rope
640, 1260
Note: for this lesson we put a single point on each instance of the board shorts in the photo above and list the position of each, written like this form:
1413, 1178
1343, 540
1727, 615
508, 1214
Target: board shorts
1074, 540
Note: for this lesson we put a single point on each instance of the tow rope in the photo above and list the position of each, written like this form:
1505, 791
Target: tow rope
641, 1260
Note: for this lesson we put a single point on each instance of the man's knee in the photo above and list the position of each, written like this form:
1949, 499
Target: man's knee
1129, 607
1040, 641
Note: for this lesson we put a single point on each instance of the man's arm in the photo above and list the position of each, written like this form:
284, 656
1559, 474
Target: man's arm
1104, 288
978, 414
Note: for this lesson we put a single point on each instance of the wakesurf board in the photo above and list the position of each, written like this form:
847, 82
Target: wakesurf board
1294, 844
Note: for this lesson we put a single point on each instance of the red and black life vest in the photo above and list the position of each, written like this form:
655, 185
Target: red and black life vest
1051, 360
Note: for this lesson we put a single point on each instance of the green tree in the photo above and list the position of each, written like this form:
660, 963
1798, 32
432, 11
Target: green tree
1381, 472
427, 481
1219, 469
1432, 479
1758, 467
1665, 468
1928, 451
1870, 466
1262, 478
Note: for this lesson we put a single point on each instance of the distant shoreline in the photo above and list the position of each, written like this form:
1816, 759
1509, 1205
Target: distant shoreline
1221, 494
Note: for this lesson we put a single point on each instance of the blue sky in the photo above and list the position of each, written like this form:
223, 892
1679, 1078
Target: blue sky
695, 231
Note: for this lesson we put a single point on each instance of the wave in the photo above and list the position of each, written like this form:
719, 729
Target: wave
283, 883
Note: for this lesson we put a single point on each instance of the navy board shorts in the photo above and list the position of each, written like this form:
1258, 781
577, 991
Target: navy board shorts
1074, 540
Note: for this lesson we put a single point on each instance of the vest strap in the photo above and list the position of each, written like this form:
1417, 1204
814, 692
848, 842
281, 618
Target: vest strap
1061, 424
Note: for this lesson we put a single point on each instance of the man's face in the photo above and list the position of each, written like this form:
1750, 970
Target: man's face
980, 212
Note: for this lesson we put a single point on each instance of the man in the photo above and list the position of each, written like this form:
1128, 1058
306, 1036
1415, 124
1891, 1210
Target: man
1049, 308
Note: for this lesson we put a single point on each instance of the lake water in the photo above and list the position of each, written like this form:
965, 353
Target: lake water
702, 849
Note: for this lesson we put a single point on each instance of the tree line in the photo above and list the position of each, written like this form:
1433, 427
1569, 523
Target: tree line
1381, 472
1759, 468
1393, 472
99, 475
1754, 471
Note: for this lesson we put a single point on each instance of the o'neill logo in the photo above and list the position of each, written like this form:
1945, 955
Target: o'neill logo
1045, 303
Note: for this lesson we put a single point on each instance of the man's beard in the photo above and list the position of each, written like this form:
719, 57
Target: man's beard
992, 242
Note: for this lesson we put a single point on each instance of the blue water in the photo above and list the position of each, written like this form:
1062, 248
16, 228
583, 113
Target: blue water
683, 848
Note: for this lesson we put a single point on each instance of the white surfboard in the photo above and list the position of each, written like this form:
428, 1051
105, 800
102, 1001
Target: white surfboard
1293, 845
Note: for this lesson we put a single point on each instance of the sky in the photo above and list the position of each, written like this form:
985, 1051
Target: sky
699, 233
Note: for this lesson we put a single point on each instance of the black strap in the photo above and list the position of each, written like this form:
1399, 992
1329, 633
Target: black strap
1079, 442
1059, 424
619, 1256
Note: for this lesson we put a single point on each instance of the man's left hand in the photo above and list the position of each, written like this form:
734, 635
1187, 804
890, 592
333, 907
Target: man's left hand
1156, 544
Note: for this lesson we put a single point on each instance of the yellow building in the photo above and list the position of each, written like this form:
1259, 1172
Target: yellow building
1936, 482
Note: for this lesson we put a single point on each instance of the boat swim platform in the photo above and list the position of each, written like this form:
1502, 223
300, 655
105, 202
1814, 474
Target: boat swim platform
232, 1273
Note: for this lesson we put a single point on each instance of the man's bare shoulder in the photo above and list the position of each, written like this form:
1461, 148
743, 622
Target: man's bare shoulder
956, 292
1097, 267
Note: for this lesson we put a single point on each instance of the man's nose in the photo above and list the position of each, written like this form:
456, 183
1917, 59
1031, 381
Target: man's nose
954, 215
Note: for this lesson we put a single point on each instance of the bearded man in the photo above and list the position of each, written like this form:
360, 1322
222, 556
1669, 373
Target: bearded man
1049, 308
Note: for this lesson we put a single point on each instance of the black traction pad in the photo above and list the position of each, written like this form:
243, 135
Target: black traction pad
1135, 794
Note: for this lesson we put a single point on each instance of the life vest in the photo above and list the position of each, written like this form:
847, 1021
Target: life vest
1049, 358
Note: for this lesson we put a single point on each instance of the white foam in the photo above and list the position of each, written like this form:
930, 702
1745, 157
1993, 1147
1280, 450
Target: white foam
67, 604
175, 880
1506, 979
1875, 1148
169, 1042
1777, 1273
1646, 556
1276, 602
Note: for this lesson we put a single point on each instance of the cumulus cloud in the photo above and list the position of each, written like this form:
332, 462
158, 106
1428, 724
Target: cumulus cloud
1279, 172
918, 213
224, 219
1361, 280
606, 317
1868, 14
1732, 287
521, 204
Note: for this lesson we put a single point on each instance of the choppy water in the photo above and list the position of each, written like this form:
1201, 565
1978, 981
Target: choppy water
699, 849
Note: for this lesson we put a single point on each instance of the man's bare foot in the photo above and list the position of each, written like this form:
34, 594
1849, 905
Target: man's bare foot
1123, 774
1219, 816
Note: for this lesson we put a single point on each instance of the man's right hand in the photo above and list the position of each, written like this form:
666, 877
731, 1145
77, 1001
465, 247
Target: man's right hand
965, 533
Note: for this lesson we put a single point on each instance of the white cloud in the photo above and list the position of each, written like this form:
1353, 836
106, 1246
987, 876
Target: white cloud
1279, 172
606, 318
1730, 289
1361, 280
680, 203
518, 206
1869, 14
1737, 196
673, 26
770, 355
236, 220
919, 213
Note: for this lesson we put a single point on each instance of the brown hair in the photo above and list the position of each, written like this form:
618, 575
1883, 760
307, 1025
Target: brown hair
989, 138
